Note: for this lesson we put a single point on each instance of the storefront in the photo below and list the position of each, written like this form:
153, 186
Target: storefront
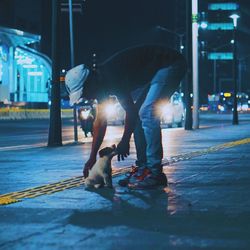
24, 71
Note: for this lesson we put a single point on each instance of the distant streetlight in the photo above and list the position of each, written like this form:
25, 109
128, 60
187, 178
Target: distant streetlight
180, 36
235, 65
204, 25
235, 19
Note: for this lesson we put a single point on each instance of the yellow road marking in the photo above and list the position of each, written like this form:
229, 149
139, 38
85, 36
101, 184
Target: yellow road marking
73, 182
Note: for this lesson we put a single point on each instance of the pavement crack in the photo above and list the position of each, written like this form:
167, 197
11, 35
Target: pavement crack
87, 237
11, 242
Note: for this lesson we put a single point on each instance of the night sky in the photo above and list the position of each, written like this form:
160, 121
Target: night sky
106, 26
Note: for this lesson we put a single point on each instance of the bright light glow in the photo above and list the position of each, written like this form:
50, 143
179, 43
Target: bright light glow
26, 60
227, 94
223, 6
221, 108
220, 56
235, 18
63, 70
203, 25
244, 107
232, 41
85, 114
19, 32
30, 66
164, 109
35, 73
182, 47
110, 109
220, 26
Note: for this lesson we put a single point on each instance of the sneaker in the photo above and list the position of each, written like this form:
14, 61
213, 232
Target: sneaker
148, 180
124, 182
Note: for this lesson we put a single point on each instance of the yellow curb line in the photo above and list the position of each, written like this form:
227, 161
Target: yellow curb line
73, 182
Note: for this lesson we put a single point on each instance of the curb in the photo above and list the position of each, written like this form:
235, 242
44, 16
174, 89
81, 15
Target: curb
23, 114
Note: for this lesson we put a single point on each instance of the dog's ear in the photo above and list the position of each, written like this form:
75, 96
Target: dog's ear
102, 152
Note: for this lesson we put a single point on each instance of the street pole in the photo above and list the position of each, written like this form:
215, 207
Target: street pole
215, 75
188, 79
235, 111
55, 126
72, 60
235, 69
195, 64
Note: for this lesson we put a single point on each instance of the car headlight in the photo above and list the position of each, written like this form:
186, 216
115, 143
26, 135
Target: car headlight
221, 108
165, 110
110, 110
85, 114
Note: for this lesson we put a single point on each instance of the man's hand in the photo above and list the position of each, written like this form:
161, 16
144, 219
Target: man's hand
88, 165
122, 149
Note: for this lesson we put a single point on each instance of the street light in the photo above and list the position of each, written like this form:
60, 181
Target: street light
180, 36
235, 111
204, 25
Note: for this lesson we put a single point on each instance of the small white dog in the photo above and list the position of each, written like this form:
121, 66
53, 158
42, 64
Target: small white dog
101, 173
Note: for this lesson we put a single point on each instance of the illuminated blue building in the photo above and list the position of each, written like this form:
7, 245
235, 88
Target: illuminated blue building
24, 71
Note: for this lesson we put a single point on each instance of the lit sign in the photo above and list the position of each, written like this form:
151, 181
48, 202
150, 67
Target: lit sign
26, 60
30, 66
4, 53
223, 6
220, 26
220, 56
35, 73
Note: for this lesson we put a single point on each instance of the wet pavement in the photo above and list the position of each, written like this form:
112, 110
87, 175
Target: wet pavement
205, 206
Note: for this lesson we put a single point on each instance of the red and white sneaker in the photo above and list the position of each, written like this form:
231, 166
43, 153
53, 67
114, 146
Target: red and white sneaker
147, 180
135, 171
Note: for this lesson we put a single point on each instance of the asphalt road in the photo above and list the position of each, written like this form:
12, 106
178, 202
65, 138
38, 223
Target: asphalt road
35, 132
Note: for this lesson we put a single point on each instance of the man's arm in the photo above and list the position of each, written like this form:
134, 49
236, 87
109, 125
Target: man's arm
99, 130
130, 122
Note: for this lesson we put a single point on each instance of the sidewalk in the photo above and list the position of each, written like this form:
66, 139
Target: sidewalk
206, 205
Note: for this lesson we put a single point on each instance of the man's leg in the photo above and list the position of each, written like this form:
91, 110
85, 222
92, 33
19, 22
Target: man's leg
139, 139
139, 136
163, 84
140, 145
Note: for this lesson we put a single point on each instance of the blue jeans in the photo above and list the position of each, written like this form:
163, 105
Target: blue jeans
147, 134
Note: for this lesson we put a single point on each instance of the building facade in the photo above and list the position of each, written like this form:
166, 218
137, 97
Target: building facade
24, 71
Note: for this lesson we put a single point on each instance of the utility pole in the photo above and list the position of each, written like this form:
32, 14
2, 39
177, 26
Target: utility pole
55, 126
215, 76
188, 78
195, 64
